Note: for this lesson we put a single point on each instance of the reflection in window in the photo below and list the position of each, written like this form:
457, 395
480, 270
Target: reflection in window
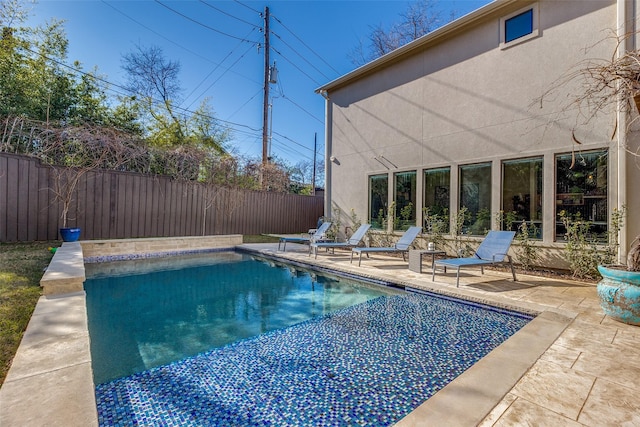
436, 199
405, 198
581, 190
378, 199
518, 26
522, 195
475, 196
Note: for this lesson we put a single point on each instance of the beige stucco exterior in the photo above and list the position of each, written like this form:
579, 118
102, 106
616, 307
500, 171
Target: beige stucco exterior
457, 97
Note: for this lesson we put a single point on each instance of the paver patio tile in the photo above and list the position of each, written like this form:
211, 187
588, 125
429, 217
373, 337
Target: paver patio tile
590, 338
554, 387
525, 413
498, 410
562, 356
616, 366
616, 404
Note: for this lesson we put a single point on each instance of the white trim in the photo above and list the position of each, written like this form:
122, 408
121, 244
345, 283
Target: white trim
535, 29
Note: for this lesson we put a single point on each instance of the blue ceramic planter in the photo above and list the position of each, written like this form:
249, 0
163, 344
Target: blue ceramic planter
70, 234
619, 292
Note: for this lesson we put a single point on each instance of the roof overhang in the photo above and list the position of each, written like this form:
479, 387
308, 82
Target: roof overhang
419, 44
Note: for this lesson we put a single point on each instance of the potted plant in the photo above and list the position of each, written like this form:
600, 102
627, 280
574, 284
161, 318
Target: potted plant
72, 153
619, 289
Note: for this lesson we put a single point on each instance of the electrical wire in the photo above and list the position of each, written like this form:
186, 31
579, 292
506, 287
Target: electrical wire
173, 42
127, 92
295, 66
300, 55
305, 45
203, 25
219, 77
248, 7
226, 13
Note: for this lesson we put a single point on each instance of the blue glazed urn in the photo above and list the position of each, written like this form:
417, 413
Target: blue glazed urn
70, 234
619, 292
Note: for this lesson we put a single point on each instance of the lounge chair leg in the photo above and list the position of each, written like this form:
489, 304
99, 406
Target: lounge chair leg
481, 270
360, 260
433, 273
513, 271
458, 278
351, 261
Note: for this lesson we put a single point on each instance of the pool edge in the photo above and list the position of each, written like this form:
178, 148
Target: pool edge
76, 408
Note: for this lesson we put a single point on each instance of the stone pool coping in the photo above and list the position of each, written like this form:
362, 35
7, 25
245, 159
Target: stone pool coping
53, 364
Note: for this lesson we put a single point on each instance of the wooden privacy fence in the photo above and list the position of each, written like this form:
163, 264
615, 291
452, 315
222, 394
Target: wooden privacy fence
117, 205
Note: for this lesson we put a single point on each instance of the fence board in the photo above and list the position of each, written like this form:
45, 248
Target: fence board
122, 205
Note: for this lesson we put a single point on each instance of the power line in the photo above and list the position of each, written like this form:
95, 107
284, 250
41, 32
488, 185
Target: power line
203, 25
155, 32
305, 45
300, 55
248, 7
128, 92
222, 75
171, 41
228, 14
295, 66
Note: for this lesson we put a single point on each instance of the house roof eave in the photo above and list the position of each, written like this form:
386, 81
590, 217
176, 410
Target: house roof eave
402, 52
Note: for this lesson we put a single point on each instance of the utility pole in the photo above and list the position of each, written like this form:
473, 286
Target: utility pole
265, 108
313, 180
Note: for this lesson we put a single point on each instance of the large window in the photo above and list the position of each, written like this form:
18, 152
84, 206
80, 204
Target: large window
522, 195
475, 198
437, 195
378, 200
581, 190
405, 198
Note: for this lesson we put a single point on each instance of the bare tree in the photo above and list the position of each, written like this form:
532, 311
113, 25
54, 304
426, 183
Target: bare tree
155, 79
420, 18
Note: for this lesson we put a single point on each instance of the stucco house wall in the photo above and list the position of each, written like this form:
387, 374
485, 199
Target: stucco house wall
456, 97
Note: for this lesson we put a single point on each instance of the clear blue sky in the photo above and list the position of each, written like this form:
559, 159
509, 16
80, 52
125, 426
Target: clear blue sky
216, 45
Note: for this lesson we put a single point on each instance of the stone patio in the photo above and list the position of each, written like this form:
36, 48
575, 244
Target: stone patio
575, 367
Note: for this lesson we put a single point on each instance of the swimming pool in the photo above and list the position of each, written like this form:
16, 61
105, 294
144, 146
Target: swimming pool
147, 313
369, 363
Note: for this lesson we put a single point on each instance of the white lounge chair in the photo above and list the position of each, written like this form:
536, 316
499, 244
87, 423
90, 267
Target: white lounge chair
319, 234
353, 241
492, 250
402, 245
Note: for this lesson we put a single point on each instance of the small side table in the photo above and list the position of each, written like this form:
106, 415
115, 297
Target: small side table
415, 258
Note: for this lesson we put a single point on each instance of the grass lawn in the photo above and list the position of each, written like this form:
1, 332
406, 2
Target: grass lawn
21, 268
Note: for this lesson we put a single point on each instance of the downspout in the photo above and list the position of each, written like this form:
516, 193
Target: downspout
327, 153
623, 34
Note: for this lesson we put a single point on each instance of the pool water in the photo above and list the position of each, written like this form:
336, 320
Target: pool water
367, 363
179, 307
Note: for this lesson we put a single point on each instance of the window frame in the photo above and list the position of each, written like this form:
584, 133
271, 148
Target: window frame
399, 223
377, 224
447, 214
537, 199
479, 217
579, 200
535, 30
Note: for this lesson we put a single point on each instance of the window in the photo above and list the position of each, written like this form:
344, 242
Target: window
581, 191
522, 195
436, 199
405, 198
378, 200
519, 26
475, 197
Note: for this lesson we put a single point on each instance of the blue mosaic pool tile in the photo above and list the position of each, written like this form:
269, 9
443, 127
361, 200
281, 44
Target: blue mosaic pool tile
367, 365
